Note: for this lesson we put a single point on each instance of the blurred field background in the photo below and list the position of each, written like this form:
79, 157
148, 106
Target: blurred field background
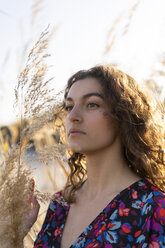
127, 33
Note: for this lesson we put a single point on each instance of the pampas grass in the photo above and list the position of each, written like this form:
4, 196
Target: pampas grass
37, 107
14, 194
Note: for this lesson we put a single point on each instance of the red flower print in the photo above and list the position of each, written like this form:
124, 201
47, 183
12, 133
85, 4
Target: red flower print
94, 244
100, 230
113, 205
96, 226
154, 244
134, 194
110, 225
162, 212
137, 233
126, 228
124, 211
57, 231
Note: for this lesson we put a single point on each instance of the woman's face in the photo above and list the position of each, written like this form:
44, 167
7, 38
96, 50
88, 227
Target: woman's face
88, 128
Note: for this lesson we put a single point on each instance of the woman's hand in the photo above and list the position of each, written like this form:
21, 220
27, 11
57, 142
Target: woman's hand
34, 209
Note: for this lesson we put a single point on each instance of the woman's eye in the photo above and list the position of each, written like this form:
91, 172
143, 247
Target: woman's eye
68, 108
92, 105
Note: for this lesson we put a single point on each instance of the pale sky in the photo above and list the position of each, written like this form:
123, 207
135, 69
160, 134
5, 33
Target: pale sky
79, 42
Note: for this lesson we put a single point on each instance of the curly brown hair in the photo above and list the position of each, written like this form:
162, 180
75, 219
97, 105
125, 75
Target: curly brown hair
141, 128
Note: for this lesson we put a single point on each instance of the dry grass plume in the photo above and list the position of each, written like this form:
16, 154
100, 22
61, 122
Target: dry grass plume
37, 107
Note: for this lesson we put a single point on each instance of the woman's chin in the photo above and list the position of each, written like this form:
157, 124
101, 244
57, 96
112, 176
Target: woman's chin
76, 148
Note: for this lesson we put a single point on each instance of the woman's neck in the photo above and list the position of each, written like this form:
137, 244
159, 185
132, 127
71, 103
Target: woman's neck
107, 172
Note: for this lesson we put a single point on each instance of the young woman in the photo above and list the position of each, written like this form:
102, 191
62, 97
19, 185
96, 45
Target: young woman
113, 196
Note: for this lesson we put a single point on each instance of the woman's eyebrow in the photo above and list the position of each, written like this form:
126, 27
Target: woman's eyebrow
87, 96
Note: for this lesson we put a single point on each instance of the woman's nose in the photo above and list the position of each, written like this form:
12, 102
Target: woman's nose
75, 115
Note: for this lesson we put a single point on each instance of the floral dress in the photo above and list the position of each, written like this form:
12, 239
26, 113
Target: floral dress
135, 218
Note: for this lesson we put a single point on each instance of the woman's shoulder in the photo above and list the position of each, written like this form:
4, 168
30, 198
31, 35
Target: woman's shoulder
150, 187
154, 205
149, 193
57, 200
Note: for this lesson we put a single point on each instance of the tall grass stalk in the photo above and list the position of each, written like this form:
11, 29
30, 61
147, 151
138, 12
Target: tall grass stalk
37, 107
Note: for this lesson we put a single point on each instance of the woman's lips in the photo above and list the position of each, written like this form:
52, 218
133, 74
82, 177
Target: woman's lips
75, 132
